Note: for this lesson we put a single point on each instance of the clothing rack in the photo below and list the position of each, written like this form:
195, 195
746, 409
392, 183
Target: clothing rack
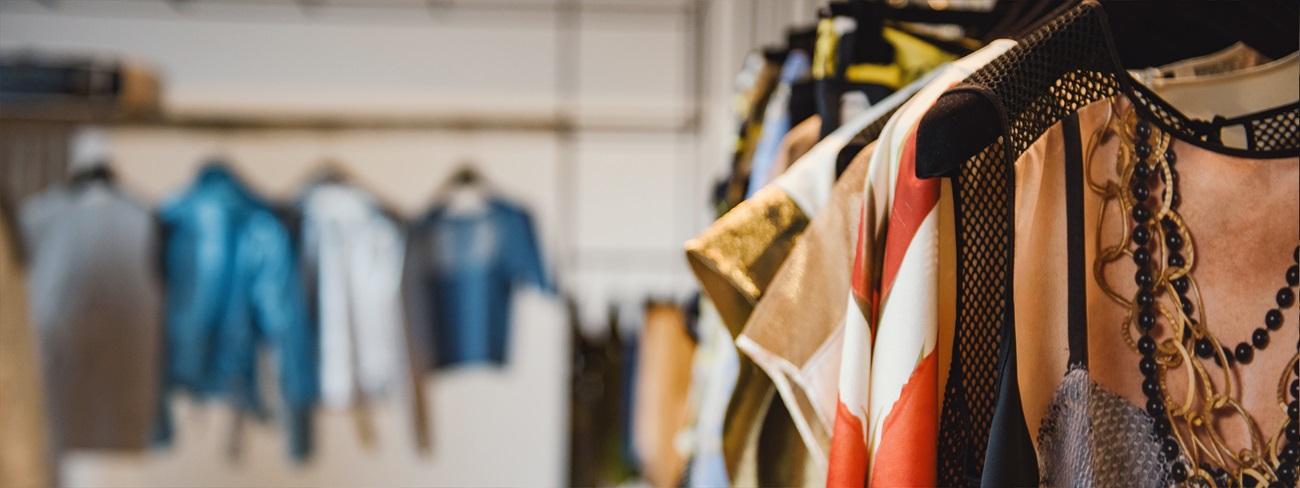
564, 118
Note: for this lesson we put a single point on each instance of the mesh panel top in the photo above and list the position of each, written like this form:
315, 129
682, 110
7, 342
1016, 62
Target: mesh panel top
1094, 437
1061, 67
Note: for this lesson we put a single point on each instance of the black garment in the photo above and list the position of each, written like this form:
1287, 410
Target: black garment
584, 403
598, 446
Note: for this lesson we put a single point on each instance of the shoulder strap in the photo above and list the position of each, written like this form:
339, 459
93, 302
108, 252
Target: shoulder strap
1076, 237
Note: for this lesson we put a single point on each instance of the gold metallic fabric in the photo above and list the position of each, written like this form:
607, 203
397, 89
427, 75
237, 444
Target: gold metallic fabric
736, 257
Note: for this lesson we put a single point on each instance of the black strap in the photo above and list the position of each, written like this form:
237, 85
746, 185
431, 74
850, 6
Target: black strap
1075, 239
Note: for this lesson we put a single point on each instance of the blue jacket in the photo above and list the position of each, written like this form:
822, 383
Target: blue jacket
460, 273
232, 286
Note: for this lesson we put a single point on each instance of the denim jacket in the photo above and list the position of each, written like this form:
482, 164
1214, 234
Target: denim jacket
461, 270
232, 286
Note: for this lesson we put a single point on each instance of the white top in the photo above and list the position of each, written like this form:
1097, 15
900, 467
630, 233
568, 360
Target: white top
357, 252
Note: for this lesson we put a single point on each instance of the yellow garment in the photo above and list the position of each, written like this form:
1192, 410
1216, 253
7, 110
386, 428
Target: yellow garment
825, 50
24, 459
913, 60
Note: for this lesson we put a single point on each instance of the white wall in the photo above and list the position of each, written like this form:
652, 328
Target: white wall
613, 200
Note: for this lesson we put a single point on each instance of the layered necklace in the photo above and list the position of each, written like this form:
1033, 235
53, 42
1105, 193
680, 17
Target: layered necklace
1161, 246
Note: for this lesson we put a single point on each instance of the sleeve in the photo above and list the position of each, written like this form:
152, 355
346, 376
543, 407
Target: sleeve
195, 281
524, 255
281, 314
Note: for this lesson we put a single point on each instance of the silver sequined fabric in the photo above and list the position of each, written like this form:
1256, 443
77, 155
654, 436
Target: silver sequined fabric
1093, 437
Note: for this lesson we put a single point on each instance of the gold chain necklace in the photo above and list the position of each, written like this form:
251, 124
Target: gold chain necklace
1165, 253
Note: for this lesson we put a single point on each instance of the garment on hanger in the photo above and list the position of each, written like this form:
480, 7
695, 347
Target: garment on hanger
663, 374
232, 287
25, 458
797, 142
462, 269
1103, 232
1102, 385
848, 81
751, 106
599, 395
735, 259
889, 376
784, 334
827, 85
352, 250
585, 387
776, 121
713, 377
736, 256
96, 304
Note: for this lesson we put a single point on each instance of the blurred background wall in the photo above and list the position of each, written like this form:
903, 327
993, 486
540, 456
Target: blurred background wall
608, 118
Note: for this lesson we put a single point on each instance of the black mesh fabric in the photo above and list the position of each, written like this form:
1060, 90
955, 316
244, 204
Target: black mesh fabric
983, 193
1066, 64
860, 141
1040, 81
1274, 131
871, 132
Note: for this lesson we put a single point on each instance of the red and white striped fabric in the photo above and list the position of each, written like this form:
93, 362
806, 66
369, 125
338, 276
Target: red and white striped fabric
886, 424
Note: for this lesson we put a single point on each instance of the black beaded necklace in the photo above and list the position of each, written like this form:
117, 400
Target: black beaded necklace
1288, 456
